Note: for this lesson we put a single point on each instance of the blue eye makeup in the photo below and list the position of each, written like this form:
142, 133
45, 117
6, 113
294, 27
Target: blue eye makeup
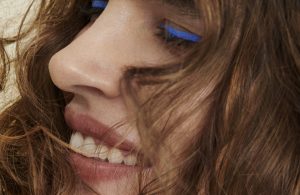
98, 4
173, 33
169, 33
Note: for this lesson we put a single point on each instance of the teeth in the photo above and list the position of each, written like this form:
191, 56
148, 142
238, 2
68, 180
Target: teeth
130, 160
115, 156
102, 152
87, 147
76, 140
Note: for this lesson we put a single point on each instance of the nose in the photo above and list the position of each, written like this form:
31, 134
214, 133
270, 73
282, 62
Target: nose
97, 58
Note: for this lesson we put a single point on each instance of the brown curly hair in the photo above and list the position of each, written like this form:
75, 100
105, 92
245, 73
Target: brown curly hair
241, 86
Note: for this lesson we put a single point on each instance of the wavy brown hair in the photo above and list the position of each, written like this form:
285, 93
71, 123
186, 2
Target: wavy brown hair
232, 106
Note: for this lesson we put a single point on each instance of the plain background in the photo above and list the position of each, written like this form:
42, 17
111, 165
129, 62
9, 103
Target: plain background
11, 12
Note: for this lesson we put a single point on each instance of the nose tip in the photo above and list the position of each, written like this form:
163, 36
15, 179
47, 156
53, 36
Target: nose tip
78, 76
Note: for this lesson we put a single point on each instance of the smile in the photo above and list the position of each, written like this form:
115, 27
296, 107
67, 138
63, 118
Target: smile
99, 154
86, 146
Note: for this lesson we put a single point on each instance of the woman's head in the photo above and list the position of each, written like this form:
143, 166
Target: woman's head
121, 35
157, 97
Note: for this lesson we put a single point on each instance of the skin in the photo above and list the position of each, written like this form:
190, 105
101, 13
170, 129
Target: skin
92, 65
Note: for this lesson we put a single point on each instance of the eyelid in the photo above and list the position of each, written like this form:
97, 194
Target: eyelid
188, 36
99, 4
181, 34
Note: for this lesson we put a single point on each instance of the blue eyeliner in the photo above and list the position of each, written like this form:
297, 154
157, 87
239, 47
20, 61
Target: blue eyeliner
181, 34
99, 4
173, 32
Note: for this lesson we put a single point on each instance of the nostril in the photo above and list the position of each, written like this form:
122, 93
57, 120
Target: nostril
90, 90
68, 96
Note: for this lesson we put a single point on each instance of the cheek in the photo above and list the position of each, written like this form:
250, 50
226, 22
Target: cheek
182, 123
186, 128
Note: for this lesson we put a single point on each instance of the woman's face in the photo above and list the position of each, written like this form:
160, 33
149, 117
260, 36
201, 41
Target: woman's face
128, 33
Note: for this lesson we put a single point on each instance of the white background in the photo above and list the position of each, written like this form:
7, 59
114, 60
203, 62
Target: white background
11, 12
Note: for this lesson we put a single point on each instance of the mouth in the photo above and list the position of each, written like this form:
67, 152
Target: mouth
86, 146
98, 152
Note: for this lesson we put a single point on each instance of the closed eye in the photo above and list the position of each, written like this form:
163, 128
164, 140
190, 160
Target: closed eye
176, 33
172, 35
171, 31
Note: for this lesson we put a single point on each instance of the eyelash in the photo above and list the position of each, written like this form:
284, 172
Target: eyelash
167, 32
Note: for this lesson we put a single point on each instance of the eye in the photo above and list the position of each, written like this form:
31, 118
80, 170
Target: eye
173, 36
176, 37
173, 33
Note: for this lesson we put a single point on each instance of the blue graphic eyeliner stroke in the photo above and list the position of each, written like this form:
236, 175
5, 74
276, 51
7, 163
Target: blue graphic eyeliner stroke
182, 34
99, 4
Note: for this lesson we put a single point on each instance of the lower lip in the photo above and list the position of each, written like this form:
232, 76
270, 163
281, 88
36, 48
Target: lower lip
92, 170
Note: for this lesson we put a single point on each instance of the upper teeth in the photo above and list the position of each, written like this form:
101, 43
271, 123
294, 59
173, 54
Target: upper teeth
87, 147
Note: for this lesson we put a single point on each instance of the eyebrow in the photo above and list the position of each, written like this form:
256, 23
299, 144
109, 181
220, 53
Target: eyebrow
186, 3
186, 7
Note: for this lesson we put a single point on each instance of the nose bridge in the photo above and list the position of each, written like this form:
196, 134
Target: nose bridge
116, 32
99, 55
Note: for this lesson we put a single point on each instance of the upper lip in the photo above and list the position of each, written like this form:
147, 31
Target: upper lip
88, 126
